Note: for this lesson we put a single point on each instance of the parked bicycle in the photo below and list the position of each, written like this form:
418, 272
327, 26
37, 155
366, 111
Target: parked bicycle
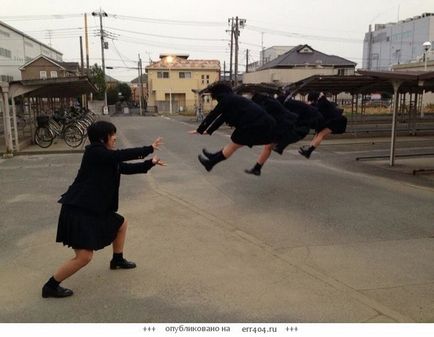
49, 128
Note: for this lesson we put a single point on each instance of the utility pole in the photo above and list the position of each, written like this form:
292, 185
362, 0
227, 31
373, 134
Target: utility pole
101, 14
140, 86
81, 57
231, 21
247, 61
239, 23
86, 43
236, 34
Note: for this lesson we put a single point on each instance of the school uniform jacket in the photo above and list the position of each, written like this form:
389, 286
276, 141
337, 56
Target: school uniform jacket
328, 110
236, 111
308, 115
96, 187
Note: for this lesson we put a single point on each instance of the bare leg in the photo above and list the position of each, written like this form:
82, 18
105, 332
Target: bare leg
229, 149
265, 154
118, 261
119, 242
320, 136
306, 151
82, 258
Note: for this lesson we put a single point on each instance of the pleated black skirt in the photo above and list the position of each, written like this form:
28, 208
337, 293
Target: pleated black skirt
259, 134
337, 125
81, 229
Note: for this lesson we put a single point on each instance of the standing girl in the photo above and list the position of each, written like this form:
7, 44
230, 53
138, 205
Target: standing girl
88, 220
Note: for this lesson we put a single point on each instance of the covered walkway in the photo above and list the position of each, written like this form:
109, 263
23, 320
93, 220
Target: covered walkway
34, 93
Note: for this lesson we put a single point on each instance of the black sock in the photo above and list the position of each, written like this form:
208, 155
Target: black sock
311, 149
257, 167
52, 283
118, 256
219, 156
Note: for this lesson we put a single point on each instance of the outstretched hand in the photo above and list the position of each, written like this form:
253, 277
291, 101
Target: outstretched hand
156, 144
158, 161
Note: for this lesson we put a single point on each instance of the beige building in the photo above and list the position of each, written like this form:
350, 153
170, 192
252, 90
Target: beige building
299, 63
172, 79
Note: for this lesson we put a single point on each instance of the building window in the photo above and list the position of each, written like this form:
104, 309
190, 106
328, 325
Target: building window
341, 72
6, 78
5, 52
43, 74
205, 79
53, 73
184, 74
162, 74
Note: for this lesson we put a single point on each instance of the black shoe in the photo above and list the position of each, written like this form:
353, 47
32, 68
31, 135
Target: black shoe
122, 264
205, 162
207, 154
304, 152
253, 171
55, 292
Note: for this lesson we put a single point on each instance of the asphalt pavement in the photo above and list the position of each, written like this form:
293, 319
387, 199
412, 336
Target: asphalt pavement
329, 239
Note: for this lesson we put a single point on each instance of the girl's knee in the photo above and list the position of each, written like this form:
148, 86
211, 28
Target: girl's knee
123, 226
84, 256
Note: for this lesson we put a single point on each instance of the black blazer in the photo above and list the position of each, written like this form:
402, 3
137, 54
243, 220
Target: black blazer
236, 111
308, 115
96, 187
328, 109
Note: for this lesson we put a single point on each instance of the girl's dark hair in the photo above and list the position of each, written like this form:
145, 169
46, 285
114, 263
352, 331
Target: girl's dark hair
218, 89
313, 96
100, 131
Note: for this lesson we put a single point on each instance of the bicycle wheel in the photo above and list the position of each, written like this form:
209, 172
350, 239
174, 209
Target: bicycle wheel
43, 137
73, 136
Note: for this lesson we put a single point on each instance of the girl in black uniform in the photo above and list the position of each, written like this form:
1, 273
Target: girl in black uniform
88, 220
284, 132
333, 122
253, 126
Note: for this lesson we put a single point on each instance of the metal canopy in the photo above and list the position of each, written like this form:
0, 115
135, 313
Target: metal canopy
366, 82
52, 87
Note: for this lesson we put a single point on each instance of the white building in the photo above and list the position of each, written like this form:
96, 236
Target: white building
16, 49
398, 42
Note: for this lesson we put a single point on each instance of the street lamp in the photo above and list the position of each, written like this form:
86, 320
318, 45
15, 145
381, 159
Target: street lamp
169, 61
427, 48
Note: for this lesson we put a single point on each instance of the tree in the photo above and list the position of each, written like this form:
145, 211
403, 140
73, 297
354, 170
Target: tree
96, 77
112, 96
125, 91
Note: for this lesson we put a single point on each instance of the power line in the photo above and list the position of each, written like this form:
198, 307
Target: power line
303, 36
166, 21
168, 36
40, 17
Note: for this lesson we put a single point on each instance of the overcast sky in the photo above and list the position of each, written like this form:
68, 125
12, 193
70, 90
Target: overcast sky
198, 28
